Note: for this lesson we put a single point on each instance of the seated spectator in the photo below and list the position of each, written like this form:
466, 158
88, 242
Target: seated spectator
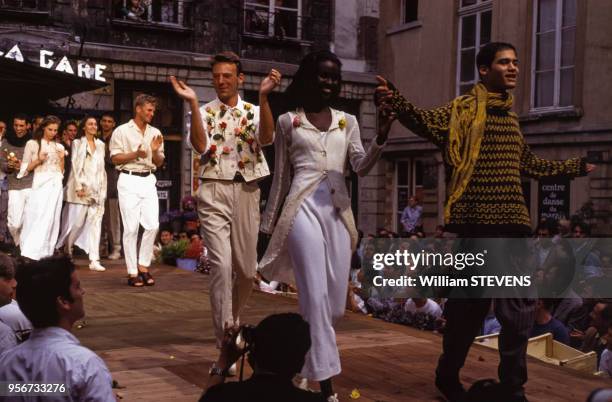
588, 262
605, 362
601, 317
277, 353
12, 316
8, 340
423, 305
50, 295
545, 322
164, 238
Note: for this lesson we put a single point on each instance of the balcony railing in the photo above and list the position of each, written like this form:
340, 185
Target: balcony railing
282, 24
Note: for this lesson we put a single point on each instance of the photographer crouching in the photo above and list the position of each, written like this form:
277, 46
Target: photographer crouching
276, 350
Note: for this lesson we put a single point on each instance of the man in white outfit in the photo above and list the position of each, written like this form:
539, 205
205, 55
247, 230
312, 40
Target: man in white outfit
137, 150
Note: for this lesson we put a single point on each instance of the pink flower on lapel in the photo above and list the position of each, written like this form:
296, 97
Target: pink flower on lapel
297, 122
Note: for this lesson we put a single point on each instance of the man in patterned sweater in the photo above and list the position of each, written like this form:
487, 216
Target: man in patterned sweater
485, 156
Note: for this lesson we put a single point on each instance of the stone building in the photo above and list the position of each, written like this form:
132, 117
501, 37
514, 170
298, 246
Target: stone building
429, 51
142, 42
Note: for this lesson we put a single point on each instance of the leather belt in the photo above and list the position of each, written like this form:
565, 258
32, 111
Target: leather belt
132, 173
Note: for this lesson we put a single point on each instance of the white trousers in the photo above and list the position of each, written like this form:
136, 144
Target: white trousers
82, 225
139, 206
320, 249
16, 206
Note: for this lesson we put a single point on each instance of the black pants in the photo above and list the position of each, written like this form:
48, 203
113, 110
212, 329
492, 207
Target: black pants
464, 319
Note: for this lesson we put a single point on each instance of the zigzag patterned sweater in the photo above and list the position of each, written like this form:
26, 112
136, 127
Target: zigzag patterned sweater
493, 201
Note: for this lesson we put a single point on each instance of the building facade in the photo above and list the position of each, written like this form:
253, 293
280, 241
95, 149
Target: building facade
429, 49
142, 42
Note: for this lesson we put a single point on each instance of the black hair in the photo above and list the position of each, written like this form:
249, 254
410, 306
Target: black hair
280, 343
586, 229
21, 116
301, 86
39, 284
108, 114
486, 55
7, 267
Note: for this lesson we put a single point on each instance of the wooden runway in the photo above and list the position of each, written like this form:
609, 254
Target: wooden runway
158, 343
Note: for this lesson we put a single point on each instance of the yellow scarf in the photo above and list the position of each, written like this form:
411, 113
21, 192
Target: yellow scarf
466, 129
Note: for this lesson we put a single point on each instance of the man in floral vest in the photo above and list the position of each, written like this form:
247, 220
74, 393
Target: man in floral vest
229, 134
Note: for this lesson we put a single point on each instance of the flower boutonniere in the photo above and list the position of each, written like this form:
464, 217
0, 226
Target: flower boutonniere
342, 123
297, 122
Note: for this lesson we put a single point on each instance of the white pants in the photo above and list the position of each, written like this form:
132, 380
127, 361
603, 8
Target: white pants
320, 249
16, 206
82, 225
139, 206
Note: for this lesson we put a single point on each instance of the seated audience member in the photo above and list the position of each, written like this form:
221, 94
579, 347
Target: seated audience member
545, 322
12, 316
592, 340
277, 352
50, 295
164, 239
8, 339
605, 362
423, 305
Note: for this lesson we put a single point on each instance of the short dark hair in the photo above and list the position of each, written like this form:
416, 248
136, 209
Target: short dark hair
36, 117
108, 114
227, 57
486, 55
39, 284
143, 99
7, 267
71, 122
21, 116
280, 343
586, 229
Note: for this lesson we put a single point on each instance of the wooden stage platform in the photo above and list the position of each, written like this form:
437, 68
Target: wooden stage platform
158, 343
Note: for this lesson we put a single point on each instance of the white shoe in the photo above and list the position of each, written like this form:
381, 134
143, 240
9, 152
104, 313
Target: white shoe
95, 266
301, 382
333, 398
116, 254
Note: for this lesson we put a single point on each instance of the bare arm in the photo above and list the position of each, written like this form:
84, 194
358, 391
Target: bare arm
266, 120
198, 135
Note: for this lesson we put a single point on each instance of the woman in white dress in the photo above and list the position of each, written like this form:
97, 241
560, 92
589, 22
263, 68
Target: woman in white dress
315, 233
85, 194
44, 158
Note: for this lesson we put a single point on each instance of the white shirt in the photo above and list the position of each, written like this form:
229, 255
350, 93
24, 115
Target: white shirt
11, 315
431, 307
54, 355
605, 363
127, 138
7, 338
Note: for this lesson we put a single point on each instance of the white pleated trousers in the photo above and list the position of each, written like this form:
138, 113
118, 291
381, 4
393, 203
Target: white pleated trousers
320, 249
82, 225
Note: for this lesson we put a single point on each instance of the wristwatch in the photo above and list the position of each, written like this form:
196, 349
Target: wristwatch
214, 370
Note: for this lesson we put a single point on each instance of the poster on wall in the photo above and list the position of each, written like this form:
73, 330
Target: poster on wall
553, 198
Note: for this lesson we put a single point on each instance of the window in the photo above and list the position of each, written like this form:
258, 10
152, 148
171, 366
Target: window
164, 12
474, 33
410, 11
24, 5
280, 19
418, 177
555, 35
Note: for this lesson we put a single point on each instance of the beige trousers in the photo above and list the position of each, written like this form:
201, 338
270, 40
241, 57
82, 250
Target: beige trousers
229, 217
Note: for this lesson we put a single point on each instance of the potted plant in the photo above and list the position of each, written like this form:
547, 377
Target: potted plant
173, 251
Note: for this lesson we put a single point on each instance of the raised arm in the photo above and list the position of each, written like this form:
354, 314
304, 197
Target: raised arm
266, 120
197, 134
430, 124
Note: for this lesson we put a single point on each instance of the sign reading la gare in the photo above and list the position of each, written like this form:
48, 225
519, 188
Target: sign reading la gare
46, 60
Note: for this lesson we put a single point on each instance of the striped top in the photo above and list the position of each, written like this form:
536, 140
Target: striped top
493, 201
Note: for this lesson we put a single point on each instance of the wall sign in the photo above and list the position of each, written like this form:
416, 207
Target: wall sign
48, 60
554, 198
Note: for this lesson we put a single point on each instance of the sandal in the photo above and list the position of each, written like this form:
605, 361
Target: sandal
135, 281
147, 278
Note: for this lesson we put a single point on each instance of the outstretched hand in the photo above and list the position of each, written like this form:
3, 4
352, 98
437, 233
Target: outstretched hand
156, 143
383, 91
183, 90
590, 167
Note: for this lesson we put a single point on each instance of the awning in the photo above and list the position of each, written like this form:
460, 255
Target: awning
21, 81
